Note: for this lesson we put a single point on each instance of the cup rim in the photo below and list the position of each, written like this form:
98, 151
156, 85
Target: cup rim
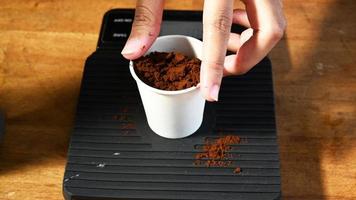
159, 91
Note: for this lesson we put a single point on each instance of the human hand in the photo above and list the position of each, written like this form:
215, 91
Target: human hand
263, 17
145, 28
266, 24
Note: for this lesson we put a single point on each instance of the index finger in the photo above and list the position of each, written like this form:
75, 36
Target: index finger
217, 20
145, 28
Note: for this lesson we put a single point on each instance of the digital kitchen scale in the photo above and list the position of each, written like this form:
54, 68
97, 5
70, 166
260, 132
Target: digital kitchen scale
113, 154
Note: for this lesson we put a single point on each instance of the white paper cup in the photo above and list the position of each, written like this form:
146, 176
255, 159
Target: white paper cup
173, 114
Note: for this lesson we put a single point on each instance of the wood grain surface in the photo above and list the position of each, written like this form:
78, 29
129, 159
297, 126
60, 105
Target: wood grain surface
43, 46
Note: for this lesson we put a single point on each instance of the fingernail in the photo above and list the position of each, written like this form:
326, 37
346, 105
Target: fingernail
214, 92
131, 47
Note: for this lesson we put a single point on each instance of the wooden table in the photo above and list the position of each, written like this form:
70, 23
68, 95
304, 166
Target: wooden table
43, 45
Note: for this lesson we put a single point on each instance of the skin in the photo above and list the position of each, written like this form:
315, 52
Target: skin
264, 19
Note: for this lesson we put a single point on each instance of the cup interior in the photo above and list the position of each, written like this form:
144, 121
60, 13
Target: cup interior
189, 46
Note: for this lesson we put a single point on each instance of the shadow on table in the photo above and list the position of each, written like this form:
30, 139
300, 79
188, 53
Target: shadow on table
311, 107
37, 131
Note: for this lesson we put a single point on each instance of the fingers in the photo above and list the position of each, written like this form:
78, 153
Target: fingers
240, 17
231, 67
217, 19
268, 23
236, 40
145, 28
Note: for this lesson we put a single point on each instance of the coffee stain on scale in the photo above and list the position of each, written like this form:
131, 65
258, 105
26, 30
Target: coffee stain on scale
216, 152
237, 170
129, 125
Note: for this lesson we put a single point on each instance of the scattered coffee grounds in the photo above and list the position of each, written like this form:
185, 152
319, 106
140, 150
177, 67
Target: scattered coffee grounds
216, 152
237, 170
121, 117
127, 126
168, 71
124, 110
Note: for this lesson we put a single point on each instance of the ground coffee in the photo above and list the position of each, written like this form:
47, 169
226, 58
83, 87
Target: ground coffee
168, 71
216, 152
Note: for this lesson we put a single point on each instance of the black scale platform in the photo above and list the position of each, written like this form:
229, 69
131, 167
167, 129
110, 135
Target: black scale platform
113, 154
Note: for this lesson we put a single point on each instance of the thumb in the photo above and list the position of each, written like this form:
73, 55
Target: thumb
145, 28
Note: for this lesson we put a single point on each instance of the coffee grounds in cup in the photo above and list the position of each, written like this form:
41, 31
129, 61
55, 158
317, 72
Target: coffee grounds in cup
168, 71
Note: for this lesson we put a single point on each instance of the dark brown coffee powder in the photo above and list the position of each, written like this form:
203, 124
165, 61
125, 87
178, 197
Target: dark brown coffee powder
168, 71
216, 152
